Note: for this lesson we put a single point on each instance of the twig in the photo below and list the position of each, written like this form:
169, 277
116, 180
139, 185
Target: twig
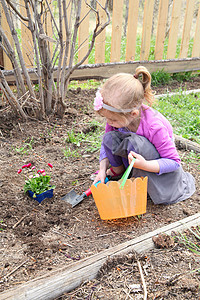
143, 281
64, 236
19, 266
128, 294
16, 224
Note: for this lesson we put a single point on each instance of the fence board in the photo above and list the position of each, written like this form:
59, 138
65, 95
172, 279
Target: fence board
83, 36
196, 44
27, 40
174, 26
48, 26
69, 20
6, 61
116, 30
187, 28
132, 29
146, 30
161, 27
101, 38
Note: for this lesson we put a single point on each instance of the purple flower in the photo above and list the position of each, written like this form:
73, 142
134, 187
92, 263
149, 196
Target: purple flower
98, 101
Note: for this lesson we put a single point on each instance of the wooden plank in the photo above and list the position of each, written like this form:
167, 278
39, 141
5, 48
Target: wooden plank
101, 38
101, 71
174, 29
48, 25
161, 28
132, 29
117, 19
83, 34
64, 280
182, 143
146, 30
196, 44
187, 28
69, 20
26, 39
6, 61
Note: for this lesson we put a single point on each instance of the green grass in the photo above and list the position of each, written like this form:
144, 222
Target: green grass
183, 112
86, 84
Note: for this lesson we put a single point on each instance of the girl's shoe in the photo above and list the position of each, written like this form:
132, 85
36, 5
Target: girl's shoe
115, 176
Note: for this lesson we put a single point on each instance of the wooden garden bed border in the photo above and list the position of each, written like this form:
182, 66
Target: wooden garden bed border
105, 70
64, 280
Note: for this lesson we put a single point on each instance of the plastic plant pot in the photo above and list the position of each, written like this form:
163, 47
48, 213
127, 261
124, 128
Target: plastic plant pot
113, 202
42, 196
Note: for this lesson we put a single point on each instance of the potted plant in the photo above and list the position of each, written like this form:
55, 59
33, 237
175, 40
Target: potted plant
37, 184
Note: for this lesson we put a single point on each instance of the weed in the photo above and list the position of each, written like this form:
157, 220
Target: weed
1, 222
27, 146
88, 139
160, 77
180, 77
75, 182
190, 240
70, 153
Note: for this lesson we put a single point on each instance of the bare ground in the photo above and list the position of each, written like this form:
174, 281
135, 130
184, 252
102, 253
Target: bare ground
39, 238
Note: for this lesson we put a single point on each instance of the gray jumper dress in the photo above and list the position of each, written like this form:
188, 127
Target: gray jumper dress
167, 188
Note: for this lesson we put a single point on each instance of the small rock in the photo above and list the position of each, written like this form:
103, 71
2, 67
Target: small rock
187, 211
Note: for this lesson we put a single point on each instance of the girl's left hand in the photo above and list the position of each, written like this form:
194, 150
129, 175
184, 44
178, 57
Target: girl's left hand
143, 164
140, 161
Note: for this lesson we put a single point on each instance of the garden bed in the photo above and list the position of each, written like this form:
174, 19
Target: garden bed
39, 238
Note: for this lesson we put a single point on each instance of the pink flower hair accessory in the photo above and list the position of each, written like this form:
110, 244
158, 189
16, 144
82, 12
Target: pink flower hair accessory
98, 104
98, 101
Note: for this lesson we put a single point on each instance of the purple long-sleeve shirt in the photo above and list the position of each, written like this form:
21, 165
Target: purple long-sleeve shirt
157, 129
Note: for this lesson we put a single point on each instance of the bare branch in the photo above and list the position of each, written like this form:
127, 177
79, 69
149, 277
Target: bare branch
96, 32
15, 10
10, 96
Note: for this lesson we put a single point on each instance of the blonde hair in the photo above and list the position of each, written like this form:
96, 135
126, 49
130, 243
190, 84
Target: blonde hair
124, 90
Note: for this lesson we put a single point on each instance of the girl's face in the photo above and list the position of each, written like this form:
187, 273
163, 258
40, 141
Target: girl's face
114, 120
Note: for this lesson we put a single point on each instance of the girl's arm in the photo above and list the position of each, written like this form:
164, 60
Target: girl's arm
159, 166
143, 164
104, 164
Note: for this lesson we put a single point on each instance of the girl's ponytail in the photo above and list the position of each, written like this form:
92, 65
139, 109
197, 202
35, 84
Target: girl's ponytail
146, 83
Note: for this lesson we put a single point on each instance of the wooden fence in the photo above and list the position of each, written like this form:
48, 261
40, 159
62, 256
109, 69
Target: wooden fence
164, 21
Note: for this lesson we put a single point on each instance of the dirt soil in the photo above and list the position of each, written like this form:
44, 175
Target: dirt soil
37, 239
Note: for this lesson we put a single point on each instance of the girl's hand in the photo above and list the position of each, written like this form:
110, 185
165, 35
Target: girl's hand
101, 176
143, 164
140, 161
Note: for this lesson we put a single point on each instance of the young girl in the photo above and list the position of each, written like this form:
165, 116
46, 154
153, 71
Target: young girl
134, 129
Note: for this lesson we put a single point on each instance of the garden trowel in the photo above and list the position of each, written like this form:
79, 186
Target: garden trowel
73, 198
